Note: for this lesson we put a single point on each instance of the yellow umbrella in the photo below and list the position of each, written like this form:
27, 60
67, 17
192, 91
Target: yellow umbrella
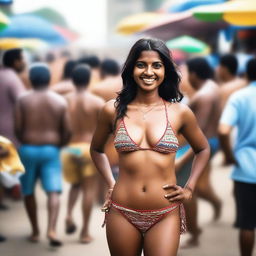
8, 43
4, 21
137, 22
236, 12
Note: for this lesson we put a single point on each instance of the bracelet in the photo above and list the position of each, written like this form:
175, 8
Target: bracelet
189, 188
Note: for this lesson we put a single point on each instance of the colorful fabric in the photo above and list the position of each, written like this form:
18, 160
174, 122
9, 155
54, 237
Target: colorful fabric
77, 162
11, 162
143, 220
168, 143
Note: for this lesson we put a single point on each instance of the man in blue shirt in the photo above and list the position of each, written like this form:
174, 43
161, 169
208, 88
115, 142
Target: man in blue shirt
240, 112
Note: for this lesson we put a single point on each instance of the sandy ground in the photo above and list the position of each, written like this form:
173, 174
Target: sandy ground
218, 238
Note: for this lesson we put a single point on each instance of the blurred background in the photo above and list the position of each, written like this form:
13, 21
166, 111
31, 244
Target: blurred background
111, 26
54, 31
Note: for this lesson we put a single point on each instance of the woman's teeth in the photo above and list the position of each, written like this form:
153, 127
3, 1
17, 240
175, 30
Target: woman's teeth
148, 80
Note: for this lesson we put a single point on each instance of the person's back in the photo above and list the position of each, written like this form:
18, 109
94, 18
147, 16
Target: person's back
229, 81
10, 89
42, 126
111, 82
206, 106
65, 86
205, 103
79, 171
42, 114
93, 62
83, 108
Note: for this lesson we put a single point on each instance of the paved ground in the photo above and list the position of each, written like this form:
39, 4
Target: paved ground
218, 239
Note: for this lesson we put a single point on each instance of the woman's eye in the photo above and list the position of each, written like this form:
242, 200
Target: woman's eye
157, 65
139, 65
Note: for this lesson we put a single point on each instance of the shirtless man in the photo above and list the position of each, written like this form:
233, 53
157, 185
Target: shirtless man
65, 86
11, 87
94, 63
226, 74
41, 123
111, 82
205, 104
77, 165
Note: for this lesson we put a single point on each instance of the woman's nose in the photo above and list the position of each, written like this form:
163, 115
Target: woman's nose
149, 70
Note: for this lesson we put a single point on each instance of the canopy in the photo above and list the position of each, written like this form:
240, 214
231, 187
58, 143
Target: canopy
31, 26
183, 23
134, 23
188, 44
236, 12
8, 43
185, 5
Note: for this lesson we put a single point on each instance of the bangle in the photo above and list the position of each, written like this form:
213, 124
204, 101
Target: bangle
189, 188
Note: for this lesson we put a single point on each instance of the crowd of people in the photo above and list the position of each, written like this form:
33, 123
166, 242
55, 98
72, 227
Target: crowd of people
138, 141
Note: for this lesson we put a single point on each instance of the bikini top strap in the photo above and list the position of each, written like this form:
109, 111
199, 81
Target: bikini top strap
166, 112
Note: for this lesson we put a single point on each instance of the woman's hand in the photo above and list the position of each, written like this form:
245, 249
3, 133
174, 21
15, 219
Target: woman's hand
179, 195
107, 203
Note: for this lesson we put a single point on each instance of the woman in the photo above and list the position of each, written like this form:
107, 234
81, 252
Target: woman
144, 207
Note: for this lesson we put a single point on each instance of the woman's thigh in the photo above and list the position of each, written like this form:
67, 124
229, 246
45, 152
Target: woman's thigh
123, 238
164, 237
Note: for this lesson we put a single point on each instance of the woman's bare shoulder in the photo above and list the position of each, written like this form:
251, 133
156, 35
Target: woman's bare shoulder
179, 108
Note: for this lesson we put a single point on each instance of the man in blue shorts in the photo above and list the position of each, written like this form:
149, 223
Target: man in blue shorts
240, 112
42, 126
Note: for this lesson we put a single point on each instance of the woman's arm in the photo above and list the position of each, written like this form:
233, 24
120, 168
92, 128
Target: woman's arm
198, 142
100, 137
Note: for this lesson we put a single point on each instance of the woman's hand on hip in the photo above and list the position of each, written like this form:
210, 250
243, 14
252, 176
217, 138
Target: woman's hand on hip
179, 194
108, 201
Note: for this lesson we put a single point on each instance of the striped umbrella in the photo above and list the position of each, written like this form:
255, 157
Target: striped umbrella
188, 44
236, 12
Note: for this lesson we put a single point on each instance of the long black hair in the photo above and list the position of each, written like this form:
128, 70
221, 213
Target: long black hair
168, 90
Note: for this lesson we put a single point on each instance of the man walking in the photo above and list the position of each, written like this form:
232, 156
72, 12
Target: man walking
240, 112
42, 127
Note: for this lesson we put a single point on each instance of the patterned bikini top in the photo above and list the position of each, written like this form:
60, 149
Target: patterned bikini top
168, 143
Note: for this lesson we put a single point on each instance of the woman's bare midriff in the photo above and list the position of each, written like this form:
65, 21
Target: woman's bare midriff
141, 179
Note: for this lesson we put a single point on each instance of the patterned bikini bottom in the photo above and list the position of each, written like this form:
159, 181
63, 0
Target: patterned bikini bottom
143, 220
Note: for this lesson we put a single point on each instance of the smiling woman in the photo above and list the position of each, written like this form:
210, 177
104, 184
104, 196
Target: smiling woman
145, 205
149, 70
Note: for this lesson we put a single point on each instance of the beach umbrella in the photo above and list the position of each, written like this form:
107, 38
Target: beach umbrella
185, 5
4, 21
236, 12
51, 15
134, 23
188, 44
9, 43
183, 23
31, 26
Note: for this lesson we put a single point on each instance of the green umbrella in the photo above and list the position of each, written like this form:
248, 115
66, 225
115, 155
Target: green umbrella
188, 44
4, 21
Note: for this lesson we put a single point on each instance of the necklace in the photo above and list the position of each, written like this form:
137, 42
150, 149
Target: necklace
144, 113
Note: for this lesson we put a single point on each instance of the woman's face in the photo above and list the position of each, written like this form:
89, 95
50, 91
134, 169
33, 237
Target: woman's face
149, 70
